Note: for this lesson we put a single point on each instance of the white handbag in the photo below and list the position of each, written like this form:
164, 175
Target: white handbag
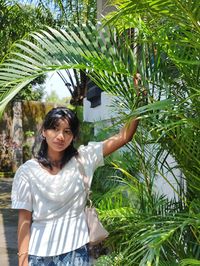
97, 233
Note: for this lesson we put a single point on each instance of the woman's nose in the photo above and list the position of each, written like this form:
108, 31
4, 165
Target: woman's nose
60, 135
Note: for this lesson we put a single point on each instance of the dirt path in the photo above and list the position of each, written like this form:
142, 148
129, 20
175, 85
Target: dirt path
8, 226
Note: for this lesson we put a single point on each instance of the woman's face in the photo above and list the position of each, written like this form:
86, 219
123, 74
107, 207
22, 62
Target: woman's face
59, 137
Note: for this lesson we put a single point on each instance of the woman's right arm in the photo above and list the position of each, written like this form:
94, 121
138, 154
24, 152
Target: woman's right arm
24, 224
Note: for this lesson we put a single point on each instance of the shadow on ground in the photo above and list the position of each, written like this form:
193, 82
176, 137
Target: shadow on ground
8, 225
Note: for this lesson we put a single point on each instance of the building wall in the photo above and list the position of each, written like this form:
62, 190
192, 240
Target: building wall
104, 111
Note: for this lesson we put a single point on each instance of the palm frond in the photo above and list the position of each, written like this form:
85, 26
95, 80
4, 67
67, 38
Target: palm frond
189, 262
48, 51
86, 48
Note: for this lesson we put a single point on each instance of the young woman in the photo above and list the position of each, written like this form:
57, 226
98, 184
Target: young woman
49, 192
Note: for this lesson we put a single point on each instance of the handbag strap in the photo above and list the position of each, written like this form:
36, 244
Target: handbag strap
85, 180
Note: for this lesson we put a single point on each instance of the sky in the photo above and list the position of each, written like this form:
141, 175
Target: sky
54, 82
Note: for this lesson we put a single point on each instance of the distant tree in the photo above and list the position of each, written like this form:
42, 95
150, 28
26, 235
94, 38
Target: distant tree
16, 20
35, 91
52, 97
31, 94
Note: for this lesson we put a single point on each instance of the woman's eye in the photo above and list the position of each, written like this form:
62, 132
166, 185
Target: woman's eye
55, 128
68, 132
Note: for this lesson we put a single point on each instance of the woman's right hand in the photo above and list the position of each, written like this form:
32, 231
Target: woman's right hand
23, 259
24, 225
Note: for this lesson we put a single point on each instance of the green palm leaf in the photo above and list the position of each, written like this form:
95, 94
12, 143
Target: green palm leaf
84, 48
189, 262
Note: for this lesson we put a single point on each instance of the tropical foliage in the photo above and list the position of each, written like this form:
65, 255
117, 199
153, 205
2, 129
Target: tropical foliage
157, 231
16, 20
160, 41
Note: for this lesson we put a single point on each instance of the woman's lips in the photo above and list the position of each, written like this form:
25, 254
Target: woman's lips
59, 144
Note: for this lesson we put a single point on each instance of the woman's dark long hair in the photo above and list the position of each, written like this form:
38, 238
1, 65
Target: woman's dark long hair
50, 121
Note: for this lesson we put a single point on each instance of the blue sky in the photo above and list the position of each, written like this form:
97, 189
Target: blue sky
54, 82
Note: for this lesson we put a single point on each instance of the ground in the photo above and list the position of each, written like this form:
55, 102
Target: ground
8, 226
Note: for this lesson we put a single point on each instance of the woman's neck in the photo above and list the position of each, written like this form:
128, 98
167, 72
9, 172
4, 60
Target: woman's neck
55, 159
56, 163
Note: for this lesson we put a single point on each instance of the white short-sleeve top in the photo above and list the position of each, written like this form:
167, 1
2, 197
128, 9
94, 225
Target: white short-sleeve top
56, 202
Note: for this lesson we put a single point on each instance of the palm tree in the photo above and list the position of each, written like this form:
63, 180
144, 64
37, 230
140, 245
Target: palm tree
148, 228
167, 42
68, 13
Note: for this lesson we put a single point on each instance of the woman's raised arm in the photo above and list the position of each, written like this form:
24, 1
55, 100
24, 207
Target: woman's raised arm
124, 136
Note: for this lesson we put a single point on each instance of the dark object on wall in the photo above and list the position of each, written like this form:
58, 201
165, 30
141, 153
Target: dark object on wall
93, 94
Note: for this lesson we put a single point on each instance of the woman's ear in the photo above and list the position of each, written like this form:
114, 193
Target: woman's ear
75, 138
43, 134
